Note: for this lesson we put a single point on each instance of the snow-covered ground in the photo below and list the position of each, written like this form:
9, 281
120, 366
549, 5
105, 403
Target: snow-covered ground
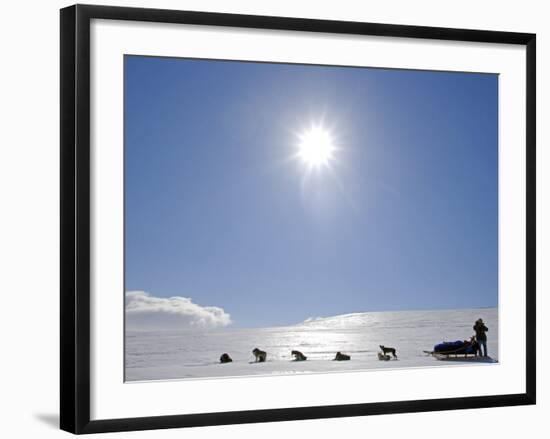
158, 355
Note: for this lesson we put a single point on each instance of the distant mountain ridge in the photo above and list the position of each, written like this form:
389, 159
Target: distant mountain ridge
367, 319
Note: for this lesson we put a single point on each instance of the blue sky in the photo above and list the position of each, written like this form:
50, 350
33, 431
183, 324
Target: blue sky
220, 210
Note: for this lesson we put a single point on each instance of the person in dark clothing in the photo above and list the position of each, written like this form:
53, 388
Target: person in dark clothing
481, 336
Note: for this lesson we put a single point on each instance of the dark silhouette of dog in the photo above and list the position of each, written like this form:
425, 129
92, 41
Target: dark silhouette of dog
225, 358
341, 357
260, 356
298, 356
386, 350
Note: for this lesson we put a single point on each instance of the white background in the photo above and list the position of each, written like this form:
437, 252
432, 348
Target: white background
29, 249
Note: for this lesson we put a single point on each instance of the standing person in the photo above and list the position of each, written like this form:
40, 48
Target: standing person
481, 337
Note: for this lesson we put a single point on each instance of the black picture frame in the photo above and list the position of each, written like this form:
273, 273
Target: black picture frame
75, 217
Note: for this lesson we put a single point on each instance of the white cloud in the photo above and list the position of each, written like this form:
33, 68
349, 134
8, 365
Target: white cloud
144, 311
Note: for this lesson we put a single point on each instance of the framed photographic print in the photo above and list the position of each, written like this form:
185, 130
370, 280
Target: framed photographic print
341, 214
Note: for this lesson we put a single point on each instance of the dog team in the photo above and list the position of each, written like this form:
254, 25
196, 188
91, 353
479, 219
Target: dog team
261, 356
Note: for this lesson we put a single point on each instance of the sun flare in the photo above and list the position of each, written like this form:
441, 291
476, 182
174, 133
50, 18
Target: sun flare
316, 147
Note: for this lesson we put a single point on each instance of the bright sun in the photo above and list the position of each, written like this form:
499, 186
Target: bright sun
316, 147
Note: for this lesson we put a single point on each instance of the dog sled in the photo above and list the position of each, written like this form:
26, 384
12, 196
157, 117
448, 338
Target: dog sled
460, 350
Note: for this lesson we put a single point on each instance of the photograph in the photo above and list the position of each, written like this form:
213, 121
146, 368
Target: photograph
287, 219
